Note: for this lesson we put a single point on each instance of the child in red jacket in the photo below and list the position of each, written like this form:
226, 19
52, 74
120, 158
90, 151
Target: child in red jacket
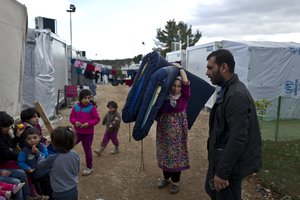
84, 116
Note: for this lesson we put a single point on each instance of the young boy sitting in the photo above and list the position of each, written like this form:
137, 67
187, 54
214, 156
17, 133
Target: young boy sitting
27, 161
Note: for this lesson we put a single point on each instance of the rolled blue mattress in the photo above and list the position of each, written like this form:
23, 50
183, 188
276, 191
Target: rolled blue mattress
150, 63
157, 91
155, 94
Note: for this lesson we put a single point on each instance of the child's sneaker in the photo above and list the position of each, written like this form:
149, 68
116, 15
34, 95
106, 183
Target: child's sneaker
87, 172
7, 195
17, 187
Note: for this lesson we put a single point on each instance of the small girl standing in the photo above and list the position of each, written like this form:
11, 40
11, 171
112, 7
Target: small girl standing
63, 166
84, 116
112, 121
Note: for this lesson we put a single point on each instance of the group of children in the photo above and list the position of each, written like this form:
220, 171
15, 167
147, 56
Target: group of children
18, 153
32, 167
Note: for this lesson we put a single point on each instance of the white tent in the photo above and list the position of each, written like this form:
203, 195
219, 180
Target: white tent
268, 69
13, 29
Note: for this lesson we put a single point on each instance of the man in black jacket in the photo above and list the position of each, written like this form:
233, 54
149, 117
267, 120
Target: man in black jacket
234, 144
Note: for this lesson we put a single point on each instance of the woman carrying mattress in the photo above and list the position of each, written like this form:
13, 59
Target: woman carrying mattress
172, 133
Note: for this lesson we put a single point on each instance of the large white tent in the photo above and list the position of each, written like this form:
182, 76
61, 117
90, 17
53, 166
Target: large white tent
13, 30
268, 69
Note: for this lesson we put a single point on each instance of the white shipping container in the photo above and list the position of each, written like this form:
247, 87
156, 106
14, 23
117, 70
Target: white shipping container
196, 63
45, 70
175, 56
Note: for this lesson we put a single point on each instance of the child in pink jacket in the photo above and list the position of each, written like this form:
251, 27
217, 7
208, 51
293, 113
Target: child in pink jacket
84, 116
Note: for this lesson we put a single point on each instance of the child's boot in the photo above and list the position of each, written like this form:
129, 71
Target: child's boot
116, 150
100, 152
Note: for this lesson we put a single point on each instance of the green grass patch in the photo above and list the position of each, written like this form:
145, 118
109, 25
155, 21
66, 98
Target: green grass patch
287, 129
281, 167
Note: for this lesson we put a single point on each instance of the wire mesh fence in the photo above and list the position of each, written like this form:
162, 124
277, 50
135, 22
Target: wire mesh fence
282, 120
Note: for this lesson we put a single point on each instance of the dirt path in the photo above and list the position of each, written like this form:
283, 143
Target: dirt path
118, 177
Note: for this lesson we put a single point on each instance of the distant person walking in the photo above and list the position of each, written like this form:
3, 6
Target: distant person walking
234, 144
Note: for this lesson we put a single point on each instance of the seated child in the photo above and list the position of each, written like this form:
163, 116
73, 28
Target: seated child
27, 161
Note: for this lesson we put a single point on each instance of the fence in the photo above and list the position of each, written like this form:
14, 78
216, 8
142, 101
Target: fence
282, 121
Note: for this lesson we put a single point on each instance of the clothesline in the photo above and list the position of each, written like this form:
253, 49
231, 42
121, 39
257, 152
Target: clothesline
89, 66
96, 67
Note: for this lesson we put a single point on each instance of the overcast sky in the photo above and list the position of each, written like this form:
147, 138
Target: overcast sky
110, 29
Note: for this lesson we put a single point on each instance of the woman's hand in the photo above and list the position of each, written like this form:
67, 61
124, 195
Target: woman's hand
177, 65
182, 73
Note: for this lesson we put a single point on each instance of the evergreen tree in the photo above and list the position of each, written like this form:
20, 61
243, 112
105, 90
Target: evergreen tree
175, 32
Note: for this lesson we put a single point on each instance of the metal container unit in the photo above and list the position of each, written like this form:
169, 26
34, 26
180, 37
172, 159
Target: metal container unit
45, 70
196, 63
